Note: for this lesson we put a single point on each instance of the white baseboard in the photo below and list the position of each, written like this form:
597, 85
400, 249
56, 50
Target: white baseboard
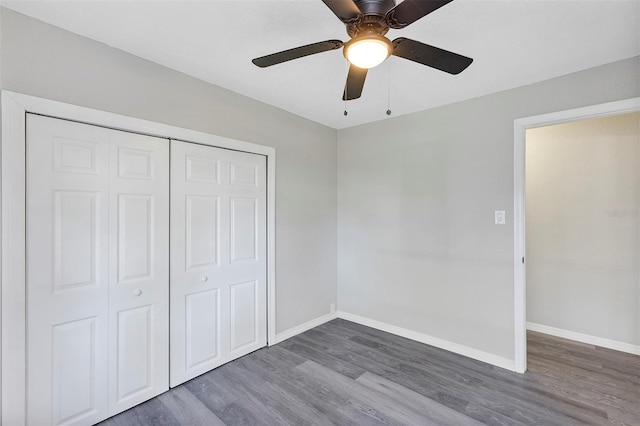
281, 337
489, 358
585, 338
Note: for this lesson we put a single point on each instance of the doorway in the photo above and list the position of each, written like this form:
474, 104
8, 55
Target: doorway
520, 133
582, 228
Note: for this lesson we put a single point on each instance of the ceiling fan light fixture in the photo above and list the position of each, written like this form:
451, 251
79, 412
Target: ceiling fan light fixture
367, 22
367, 51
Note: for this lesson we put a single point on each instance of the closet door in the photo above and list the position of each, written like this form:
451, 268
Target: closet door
97, 219
67, 272
218, 257
139, 269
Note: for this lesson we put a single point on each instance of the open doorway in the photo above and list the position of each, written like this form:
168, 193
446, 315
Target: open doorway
582, 231
580, 262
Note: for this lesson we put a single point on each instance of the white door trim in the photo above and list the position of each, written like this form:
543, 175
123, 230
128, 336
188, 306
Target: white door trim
520, 127
12, 231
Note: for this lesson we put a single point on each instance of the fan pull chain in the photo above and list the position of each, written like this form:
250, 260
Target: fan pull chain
389, 87
346, 90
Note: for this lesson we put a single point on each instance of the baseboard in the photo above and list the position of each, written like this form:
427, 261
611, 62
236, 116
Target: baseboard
585, 338
281, 337
489, 358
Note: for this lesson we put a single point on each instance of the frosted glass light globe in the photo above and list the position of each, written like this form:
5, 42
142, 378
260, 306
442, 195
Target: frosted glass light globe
367, 51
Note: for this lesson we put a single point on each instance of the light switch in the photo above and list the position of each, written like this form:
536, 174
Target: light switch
500, 217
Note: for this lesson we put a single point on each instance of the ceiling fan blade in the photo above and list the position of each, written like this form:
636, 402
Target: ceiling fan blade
297, 52
345, 10
430, 56
409, 11
355, 83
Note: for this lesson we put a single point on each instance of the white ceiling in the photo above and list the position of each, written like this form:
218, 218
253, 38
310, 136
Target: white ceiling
513, 43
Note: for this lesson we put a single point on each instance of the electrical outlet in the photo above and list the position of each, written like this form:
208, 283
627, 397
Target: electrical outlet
501, 217
332, 307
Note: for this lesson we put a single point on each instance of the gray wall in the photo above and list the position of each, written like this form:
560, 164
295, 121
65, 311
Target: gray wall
582, 227
417, 246
42, 60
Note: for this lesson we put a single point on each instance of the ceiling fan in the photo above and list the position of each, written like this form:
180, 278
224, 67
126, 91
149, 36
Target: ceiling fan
367, 22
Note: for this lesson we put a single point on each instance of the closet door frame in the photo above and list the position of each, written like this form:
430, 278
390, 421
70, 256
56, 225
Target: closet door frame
14, 107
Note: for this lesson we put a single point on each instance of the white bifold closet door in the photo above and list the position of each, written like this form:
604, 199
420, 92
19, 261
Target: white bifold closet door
97, 270
218, 257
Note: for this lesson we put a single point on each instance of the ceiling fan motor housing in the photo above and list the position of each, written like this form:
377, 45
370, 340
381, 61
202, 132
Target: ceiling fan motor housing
368, 25
375, 7
372, 19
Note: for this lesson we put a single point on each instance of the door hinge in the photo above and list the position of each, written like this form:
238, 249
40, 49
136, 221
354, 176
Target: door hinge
523, 260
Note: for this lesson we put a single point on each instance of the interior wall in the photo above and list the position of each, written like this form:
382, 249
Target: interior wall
42, 60
417, 243
582, 224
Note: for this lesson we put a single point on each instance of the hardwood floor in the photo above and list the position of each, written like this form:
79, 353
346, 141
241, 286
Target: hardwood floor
345, 373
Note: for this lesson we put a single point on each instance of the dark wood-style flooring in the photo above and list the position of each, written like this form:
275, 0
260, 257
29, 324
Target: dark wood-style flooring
347, 374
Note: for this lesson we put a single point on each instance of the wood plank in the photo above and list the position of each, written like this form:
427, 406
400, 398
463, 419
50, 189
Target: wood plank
187, 409
370, 403
436, 413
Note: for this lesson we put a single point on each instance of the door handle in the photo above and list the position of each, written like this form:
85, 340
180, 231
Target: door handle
137, 292
204, 278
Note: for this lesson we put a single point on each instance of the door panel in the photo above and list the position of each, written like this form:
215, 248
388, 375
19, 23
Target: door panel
75, 156
202, 169
135, 163
243, 175
243, 229
97, 270
76, 238
135, 334
139, 286
74, 371
218, 240
202, 231
202, 328
243, 314
135, 232
67, 272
